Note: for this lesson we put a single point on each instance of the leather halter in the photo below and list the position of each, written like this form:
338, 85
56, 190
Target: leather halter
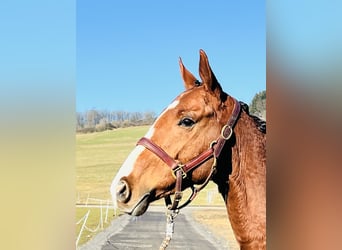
179, 170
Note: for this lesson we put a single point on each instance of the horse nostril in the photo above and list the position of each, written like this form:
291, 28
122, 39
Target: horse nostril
122, 191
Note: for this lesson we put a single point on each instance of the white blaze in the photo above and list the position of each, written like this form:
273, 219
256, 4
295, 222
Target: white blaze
150, 133
129, 163
172, 105
125, 170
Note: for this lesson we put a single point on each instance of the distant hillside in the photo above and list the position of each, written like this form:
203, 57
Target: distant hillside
258, 105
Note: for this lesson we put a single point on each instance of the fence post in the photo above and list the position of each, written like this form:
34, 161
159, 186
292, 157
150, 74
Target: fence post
84, 222
106, 221
209, 196
87, 200
101, 219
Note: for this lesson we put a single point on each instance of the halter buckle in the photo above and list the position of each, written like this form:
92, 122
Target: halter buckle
178, 168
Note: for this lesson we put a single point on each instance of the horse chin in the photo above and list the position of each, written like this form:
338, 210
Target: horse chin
141, 206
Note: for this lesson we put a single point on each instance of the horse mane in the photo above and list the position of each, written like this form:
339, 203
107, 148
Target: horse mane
260, 123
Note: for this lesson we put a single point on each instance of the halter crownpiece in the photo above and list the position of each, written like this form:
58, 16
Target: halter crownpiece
179, 170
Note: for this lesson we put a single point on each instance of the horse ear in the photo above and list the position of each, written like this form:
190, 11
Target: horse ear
188, 78
207, 76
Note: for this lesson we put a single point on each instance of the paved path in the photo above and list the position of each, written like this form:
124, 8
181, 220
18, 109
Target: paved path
148, 231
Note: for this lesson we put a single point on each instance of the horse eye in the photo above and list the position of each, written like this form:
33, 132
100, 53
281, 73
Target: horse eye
186, 122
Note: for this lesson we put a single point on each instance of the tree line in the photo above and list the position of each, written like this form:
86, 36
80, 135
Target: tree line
95, 120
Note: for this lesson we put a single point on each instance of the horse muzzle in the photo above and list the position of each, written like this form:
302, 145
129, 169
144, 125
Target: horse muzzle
123, 196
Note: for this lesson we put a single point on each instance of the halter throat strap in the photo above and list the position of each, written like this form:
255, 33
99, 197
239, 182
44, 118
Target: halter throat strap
179, 170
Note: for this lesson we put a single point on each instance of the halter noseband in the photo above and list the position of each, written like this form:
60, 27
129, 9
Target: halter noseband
179, 170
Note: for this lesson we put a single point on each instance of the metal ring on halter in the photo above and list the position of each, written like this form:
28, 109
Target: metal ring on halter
212, 144
223, 130
190, 198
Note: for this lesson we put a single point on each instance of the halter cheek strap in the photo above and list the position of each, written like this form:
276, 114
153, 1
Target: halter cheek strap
179, 170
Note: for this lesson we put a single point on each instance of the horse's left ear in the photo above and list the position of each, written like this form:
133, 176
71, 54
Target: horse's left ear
207, 76
188, 78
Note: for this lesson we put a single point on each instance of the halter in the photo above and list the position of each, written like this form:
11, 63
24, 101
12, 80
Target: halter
180, 171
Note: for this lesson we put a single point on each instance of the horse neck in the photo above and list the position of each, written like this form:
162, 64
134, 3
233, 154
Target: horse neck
248, 155
246, 195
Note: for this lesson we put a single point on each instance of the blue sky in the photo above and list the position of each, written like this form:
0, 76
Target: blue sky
127, 51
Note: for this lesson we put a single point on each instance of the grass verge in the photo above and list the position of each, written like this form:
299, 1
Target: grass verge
217, 222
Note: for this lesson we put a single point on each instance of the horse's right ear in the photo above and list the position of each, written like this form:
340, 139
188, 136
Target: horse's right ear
208, 78
189, 80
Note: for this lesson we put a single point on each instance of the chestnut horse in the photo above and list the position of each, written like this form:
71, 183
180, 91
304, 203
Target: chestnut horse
218, 139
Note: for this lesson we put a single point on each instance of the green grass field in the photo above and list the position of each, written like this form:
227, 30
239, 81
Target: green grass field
98, 158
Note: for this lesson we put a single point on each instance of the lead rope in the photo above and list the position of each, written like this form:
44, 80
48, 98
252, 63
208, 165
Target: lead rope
171, 215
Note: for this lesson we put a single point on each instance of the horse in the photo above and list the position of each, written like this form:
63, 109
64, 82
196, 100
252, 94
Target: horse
204, 134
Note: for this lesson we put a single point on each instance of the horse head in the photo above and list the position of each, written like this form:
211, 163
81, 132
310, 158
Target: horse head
185, 129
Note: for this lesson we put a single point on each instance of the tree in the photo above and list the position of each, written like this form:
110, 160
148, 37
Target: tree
79, 121
258, 105
149, 117
92, 118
